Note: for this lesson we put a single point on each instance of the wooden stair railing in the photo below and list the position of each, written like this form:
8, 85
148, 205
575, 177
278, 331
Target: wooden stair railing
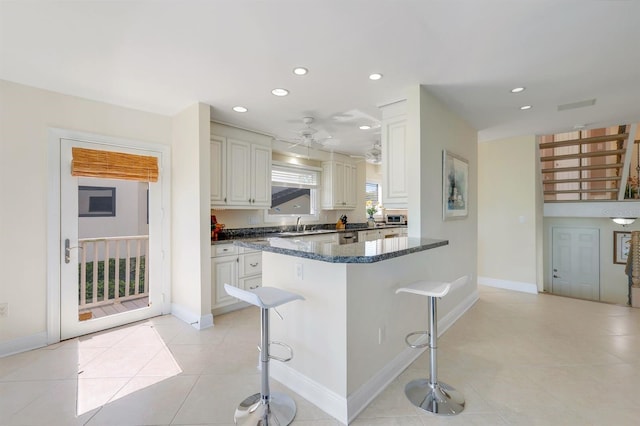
592, 168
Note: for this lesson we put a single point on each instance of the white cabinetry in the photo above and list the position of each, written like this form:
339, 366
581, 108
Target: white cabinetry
338, 185
375, 234
235, 266
395, 189
240, 173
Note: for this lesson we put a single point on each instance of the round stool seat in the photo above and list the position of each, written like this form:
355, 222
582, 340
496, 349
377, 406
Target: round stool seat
433, 288
427, 288
263, 297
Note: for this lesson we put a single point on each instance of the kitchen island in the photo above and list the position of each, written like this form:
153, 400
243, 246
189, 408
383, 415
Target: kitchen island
348, 334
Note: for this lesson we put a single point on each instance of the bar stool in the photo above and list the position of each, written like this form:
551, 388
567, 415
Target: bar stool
430, 394
265, 408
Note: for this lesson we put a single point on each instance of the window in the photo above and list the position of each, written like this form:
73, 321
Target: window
372, 193
96, 201
294, 190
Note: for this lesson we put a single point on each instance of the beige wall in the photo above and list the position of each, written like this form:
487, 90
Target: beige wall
432, 128
26, 114
191, 241
508, 216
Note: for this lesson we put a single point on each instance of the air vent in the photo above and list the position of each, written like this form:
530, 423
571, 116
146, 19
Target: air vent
574, 105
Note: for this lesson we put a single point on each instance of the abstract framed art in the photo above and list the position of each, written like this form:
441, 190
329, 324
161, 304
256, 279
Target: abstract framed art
455, 186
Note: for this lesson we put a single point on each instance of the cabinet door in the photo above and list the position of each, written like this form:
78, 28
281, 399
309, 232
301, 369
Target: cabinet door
327, 186
261, 178
224, 270
239, 173
395, 191
373, 235
338, 185
350, 191
218, 176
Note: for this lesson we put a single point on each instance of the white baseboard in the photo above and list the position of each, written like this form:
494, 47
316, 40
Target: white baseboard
206, 321
346, 409
196, 321
531, 288
23, 344
327, 400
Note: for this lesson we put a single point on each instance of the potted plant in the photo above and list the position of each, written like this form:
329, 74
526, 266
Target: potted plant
371, 210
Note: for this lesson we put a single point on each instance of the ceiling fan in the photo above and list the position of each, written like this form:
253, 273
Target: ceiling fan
373, 155
308, 136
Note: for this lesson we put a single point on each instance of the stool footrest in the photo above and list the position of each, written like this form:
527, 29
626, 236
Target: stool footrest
287, 347
417, 333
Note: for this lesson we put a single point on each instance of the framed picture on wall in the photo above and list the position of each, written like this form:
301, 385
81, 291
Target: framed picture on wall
455, 186
621, 244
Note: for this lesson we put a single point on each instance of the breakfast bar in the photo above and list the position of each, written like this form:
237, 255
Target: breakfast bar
348, 334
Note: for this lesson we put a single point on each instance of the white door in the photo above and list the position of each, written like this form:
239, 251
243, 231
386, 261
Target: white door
73, 257
576, 262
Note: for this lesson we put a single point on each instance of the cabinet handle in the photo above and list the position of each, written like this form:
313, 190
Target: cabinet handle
237, 259
253, 265
225, 199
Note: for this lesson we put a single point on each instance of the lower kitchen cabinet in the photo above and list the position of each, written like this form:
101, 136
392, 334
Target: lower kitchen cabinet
375, 234
237, 266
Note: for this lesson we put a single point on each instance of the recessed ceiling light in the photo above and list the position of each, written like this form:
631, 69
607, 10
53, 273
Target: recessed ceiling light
365, 127
375, 76
524, 107
240, 109
517, 89
280, 92
300, 71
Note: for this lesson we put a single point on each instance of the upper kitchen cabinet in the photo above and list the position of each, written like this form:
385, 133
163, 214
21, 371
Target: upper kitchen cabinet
338, 185
395, 190
240, 168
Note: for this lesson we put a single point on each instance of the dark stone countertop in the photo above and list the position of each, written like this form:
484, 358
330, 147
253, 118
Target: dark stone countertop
253, 234
361, 252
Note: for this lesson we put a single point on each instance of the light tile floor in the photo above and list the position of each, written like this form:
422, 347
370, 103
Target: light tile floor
519, 359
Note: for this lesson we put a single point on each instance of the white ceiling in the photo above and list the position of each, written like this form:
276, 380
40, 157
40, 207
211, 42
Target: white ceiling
162, 56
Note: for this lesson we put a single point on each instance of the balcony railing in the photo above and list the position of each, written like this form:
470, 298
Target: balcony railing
112, 270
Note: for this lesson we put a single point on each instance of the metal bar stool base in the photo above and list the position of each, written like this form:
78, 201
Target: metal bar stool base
439, 398
280, 410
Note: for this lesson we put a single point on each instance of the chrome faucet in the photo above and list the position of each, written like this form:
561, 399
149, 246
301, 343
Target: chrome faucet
298, 224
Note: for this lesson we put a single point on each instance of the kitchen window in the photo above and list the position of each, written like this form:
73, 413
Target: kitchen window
294, 191
373, 194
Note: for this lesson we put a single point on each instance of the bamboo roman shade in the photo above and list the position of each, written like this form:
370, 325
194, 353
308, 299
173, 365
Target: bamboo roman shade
113, 165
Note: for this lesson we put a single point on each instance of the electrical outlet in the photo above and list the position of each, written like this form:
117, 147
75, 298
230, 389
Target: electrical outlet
4, 309
381, 334
299, 271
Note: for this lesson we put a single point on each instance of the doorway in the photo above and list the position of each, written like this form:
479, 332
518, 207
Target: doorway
107, 268
575, 267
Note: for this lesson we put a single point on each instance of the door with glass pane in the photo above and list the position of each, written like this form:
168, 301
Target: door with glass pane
110, 267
